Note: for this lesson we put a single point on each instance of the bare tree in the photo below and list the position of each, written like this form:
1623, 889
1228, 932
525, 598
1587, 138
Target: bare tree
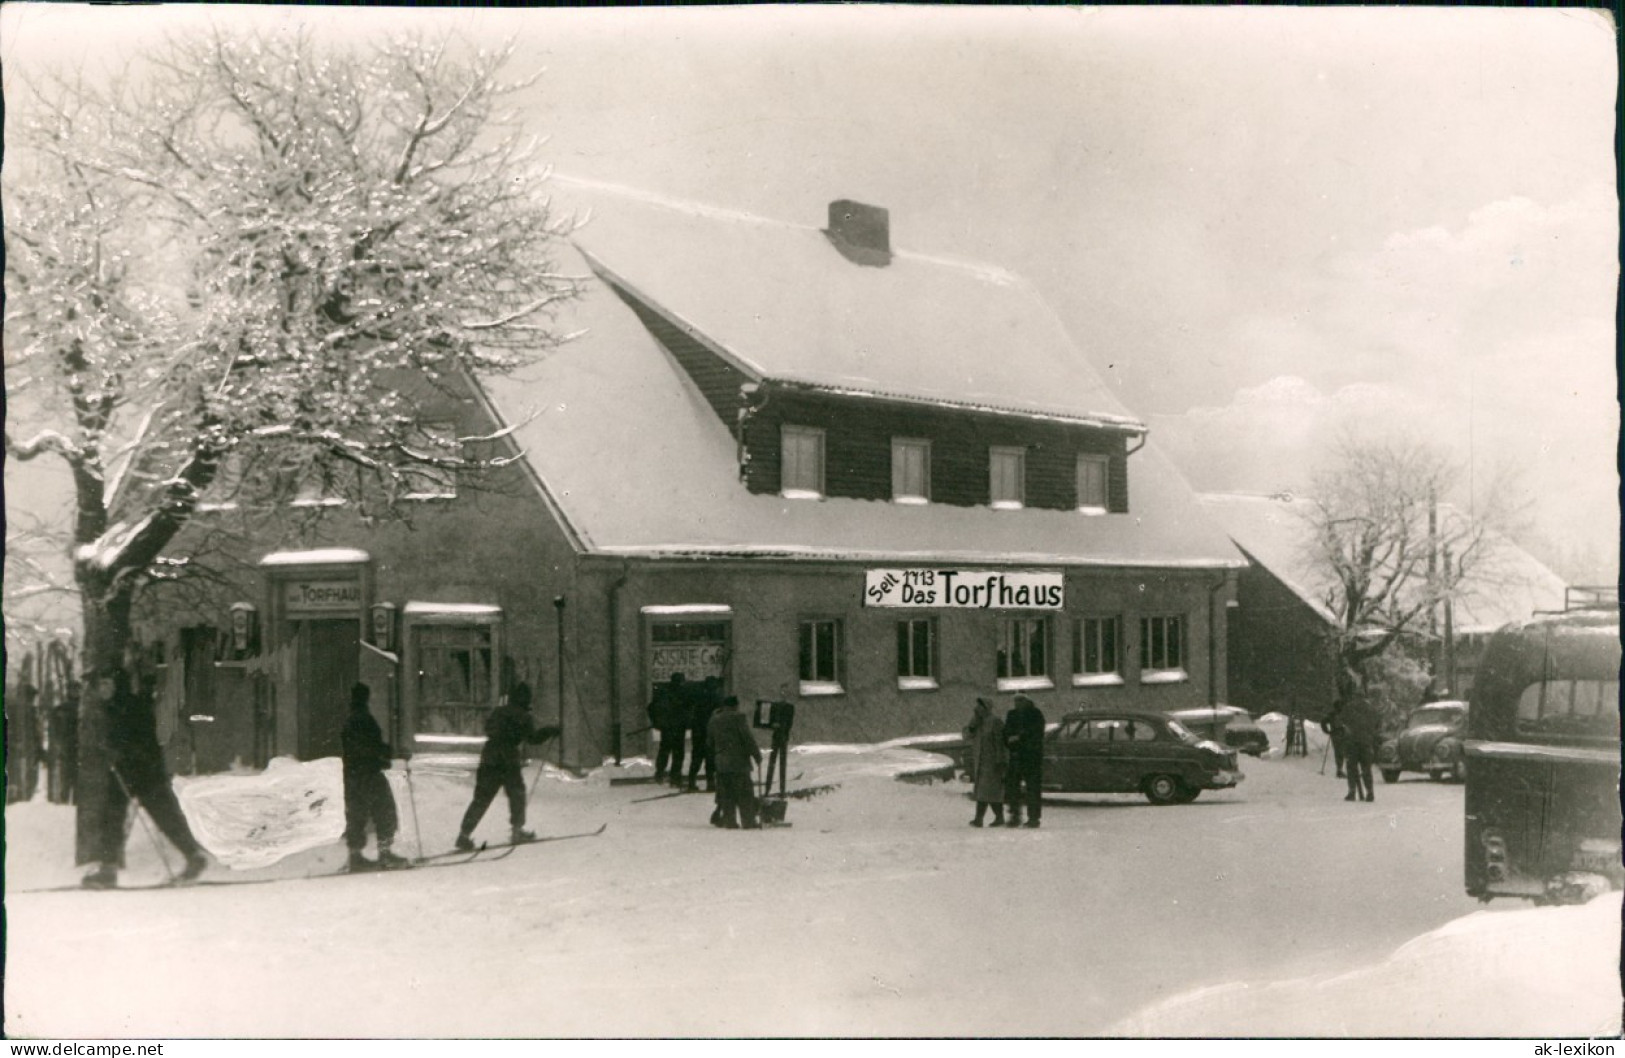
228, 269
1392, 551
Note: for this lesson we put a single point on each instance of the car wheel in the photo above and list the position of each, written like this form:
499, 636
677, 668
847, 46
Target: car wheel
1163, 789
1390, 775
1188, 793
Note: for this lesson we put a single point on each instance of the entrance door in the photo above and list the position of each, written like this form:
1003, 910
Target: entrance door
328, 668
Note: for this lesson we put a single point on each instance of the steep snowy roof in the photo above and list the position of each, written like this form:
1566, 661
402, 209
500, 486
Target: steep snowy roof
637, 463
782, 303
1275, 531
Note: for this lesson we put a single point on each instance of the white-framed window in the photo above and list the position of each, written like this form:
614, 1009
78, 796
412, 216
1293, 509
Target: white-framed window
1007, 477
917, 654
1162, 648
1024, 654
1095, 658
910, 470
1092, 483
421, 481
821, 646
801, 469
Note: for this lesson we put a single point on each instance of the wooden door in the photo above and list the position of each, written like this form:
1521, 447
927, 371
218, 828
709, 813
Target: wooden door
328, 668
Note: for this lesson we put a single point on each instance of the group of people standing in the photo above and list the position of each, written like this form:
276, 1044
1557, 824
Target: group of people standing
697, 721
1007, 762
679, 710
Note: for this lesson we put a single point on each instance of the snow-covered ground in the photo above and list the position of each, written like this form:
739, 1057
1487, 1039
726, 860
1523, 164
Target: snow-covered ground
1273, 910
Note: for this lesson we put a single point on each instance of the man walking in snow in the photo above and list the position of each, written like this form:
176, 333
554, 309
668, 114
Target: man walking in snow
137, 771
984, 738
735, 755
1024, 739
509, 725
367, 796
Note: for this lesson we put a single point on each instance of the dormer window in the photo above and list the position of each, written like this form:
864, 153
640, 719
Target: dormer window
801, 471
1007, 477
910, 470
1092, 484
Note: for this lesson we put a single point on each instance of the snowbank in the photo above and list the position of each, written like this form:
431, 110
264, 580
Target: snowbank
1537, 972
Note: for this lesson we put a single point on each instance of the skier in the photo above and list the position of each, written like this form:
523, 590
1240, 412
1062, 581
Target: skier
367, 796
734, 755
137, 771
1024, 738
984, 737
668, 714
508, 725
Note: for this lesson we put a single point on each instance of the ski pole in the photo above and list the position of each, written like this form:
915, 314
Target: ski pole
412, 797
145, 826
1323, 751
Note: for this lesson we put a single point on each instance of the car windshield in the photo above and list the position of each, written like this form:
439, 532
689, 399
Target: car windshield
1436, 714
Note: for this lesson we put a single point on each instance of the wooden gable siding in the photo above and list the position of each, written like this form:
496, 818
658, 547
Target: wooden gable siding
857, 450
718, 380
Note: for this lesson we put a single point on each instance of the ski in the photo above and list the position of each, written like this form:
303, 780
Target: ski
499, 852
661, 796
508, 847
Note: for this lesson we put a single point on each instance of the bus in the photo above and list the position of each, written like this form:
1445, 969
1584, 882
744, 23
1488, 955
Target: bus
1543, 760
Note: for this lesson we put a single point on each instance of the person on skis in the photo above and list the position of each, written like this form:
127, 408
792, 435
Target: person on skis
367, 796
509, 725
137, 771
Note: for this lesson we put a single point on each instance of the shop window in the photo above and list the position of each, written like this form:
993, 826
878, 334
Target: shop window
801, 473
1007, 477
1162, 649
1094, 651
910, 470
917, 654
821, 656
436, 441
453, 679
1092, 484
1023, 662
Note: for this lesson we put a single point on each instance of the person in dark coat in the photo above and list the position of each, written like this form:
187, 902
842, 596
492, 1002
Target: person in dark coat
707, 699
1024, 740
137, 770
1362, 729
668, 714
509, 725
367, 796
734, 755
984, 739
1333, 726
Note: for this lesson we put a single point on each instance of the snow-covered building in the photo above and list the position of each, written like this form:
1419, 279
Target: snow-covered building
873, 483
1278, 654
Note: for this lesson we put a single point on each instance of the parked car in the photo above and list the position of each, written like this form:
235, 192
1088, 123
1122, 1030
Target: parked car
1431, 742
1229, 724
1134, 751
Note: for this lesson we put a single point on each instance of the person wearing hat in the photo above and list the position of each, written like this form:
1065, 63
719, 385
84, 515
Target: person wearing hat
1024, 777
509, 725
734, 755
367, 796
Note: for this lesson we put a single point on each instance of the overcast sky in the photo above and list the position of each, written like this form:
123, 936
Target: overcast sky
1263, 225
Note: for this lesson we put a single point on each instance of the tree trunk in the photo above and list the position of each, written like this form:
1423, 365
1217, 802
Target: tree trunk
107, 635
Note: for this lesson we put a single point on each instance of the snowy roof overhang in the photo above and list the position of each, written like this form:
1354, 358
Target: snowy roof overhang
452, 610
331, 556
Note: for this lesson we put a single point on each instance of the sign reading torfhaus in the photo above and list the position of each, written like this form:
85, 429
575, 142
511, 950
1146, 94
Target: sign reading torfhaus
321, 596
968, 589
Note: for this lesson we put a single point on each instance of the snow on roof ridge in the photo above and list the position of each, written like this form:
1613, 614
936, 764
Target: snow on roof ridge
989, 272
976, 558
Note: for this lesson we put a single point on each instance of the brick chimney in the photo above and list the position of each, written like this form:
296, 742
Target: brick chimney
862, 233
